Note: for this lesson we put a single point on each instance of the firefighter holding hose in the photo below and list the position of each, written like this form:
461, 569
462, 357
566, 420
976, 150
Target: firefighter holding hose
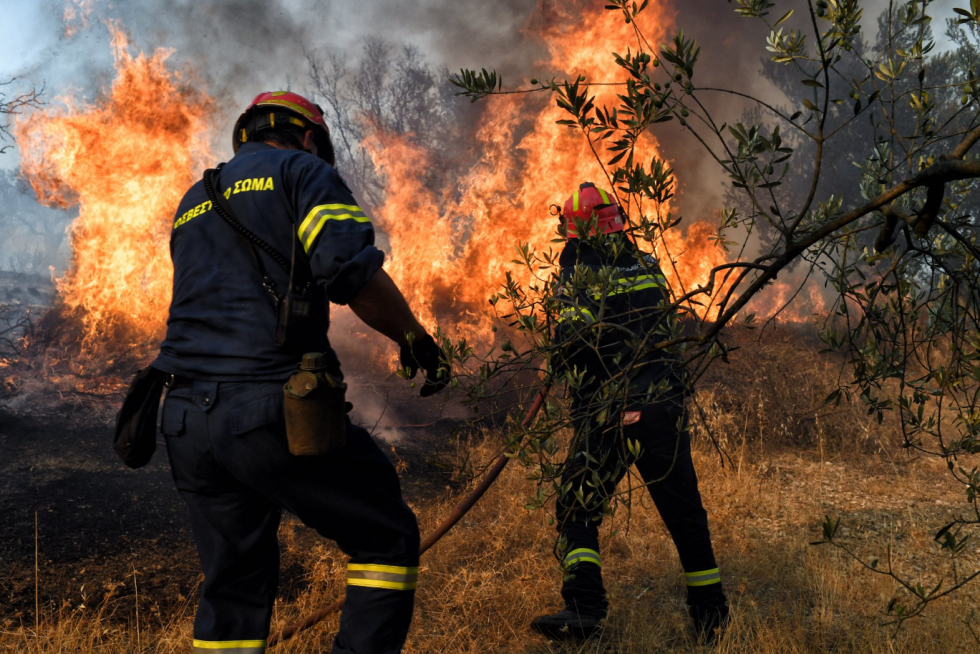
627, 408
260, 248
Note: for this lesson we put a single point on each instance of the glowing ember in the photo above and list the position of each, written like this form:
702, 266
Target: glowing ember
125, 162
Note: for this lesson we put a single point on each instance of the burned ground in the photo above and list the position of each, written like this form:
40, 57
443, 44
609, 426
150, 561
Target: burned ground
104, 532
96, 521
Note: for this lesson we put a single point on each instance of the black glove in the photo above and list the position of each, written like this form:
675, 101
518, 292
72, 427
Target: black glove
425, 354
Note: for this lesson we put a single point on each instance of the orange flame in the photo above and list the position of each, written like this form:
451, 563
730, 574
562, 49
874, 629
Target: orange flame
125, 161
441, 262
793, 302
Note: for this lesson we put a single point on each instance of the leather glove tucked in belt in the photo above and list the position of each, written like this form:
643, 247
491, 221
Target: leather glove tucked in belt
425, 354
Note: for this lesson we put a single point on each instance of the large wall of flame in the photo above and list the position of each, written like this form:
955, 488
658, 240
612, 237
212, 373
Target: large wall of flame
526, 163
125, 161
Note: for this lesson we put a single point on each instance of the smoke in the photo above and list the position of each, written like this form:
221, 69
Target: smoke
238, 48
242, 47
733, 56
731, 49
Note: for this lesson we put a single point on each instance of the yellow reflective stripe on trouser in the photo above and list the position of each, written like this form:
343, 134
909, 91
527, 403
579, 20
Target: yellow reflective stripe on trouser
318, 217
372, 575
229, 646
582, 555
703, 577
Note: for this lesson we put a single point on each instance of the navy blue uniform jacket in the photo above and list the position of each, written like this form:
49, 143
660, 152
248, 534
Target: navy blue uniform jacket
222, 321
611, 312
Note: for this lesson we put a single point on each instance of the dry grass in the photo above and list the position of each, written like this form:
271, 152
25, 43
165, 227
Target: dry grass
771, 395
484, 582
481, 585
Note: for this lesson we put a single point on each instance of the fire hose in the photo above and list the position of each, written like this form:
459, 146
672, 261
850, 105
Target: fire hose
461, 510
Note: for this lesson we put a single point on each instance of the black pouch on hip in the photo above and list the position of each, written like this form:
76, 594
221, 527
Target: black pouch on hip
135, 439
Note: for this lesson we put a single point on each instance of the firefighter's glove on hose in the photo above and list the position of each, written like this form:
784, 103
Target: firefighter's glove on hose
425, 354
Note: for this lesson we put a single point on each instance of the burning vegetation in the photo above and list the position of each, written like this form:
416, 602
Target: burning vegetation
125, 162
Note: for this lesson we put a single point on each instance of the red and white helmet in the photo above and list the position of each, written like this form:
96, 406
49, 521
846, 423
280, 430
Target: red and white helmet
287, 108
589, 201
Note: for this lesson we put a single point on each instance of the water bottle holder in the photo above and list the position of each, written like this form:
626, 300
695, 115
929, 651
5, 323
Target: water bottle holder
316, 413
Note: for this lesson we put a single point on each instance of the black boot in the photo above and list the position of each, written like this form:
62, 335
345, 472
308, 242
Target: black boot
709, 623
709, 611
567, 624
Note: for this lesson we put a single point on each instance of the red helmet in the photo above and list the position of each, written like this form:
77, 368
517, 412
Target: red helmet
287, 108
589, 201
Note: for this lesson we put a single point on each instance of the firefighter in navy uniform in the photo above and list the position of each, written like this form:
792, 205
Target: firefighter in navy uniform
611, 299
223, 413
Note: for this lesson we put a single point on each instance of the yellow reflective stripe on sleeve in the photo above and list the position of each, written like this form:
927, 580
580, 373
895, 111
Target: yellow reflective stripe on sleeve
576, 313
390, 577
605, 198
582, 555
703, 577
352, 209
575, 201
229, 646
639, 283
319, 215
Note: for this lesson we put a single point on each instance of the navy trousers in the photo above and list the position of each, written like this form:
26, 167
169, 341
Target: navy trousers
231, 464
599, 459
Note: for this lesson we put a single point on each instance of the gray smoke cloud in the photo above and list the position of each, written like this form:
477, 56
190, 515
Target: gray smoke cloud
733, 56
241, 47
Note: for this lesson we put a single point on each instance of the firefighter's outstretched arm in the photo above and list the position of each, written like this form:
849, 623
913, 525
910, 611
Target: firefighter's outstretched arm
383, 308
339, 239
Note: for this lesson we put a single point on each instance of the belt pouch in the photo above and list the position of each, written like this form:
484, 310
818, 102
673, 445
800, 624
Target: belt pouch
315, 409
135, 437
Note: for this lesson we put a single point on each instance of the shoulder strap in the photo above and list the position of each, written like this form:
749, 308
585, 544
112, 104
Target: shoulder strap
211, 183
